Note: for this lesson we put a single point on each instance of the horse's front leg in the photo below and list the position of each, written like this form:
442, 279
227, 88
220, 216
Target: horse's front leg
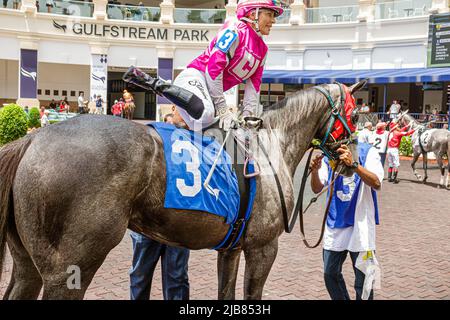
258, 262
413, 165
227, 269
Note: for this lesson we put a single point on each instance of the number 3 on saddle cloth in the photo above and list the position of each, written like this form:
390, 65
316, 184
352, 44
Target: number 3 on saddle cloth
189, 157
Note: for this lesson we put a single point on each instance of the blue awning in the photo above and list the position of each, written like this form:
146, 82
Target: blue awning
353, 76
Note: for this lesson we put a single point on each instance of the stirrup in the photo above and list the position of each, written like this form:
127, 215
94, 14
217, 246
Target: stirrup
254, 174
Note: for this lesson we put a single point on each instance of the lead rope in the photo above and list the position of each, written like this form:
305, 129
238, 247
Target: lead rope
330, 186
288, 226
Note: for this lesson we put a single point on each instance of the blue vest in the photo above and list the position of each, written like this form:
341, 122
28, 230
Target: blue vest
345, 195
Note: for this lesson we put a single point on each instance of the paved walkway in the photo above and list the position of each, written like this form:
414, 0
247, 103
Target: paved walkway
412, 241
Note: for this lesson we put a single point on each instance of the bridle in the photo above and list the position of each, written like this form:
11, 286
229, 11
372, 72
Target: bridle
328, 148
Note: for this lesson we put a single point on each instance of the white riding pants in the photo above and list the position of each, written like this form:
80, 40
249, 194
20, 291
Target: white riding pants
194, 81
393, 158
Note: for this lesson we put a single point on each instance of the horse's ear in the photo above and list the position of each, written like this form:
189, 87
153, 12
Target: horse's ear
358, 86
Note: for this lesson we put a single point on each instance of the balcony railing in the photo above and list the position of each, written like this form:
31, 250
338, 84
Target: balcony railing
285, 17
70, 8
216, 16
135, 13
10, 4
331, 14
400, 9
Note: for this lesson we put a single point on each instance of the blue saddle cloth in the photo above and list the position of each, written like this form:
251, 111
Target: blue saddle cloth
189, 157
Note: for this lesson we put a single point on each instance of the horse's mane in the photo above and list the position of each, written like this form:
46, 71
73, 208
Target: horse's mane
291, 109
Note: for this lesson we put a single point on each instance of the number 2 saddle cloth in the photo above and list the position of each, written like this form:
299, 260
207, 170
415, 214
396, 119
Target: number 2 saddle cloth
189, 157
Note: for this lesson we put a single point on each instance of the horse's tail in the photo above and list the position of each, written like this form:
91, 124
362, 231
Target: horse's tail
10, 156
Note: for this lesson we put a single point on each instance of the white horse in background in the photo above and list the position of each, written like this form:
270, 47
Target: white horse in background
426, 140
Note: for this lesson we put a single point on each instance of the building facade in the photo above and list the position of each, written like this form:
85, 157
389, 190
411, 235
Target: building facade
86, 47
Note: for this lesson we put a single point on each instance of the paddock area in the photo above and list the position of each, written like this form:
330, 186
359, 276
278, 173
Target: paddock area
412, 243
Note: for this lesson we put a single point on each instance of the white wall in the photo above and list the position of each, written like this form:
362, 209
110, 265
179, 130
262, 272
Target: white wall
64, 52
337, 59
183, 57
399, 57
60, 77
276, 59
125, 56
9, 48
9, 79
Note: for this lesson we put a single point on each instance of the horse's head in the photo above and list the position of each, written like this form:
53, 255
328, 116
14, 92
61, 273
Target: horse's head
339, 123
403, 119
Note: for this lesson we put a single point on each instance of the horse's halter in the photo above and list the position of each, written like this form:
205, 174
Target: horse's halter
337, 122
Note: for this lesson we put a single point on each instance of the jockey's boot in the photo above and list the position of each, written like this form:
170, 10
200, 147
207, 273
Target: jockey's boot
394, 177
177, 95
390, 176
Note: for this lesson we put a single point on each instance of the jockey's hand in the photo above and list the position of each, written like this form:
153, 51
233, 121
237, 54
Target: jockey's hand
227, 119
316, 163
345, 155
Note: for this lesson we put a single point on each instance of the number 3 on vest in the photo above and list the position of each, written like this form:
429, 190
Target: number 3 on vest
225, 42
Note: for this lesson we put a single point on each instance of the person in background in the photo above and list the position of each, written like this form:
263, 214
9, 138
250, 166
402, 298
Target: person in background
52, 104
394, 110
44, 120
365, 135
379, 140
99, 104
81, 103
116, 109
122, 106
364, 108
146, 253
62, 106
26, 109
395, 137
41, 111
5, 3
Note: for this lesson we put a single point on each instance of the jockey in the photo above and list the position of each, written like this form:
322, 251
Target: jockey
379, 140
236, 54
396, 135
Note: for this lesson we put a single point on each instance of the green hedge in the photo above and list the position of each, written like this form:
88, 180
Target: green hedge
34, 118
406, 148
13, 123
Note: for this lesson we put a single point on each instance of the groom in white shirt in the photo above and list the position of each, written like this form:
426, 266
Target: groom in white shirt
351, 219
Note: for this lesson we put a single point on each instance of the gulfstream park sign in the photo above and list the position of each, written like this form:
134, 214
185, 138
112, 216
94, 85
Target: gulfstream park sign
127, 32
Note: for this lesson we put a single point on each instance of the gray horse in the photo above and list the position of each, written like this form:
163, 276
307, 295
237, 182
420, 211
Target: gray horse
428, 140
69, 192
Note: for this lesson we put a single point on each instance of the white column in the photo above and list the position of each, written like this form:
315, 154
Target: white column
366, 10
298, 12
231, 8
167, 8
98, 75
29, 7
100, 9
439, 6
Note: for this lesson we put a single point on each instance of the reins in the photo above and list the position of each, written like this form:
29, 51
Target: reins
326, 148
